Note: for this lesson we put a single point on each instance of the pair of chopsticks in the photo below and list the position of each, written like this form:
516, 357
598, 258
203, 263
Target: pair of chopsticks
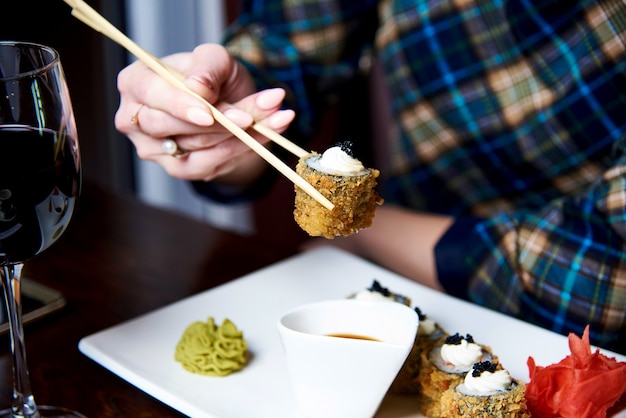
86, 14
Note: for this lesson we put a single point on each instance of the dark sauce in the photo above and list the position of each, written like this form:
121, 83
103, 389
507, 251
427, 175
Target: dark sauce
353, 337
40, 181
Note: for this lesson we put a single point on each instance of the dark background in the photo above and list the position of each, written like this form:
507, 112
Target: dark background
91, 63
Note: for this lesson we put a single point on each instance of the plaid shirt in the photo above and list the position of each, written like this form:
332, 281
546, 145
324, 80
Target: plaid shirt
506, 115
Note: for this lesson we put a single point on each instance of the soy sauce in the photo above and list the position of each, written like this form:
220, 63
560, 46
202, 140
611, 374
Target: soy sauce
353, 336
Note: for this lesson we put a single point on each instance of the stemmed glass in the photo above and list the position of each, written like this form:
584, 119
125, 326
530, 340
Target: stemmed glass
40, 179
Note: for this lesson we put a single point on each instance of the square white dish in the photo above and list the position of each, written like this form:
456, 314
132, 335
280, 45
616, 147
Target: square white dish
141, 350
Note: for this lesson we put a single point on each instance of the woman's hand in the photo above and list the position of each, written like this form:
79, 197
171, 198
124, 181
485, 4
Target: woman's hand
152, 111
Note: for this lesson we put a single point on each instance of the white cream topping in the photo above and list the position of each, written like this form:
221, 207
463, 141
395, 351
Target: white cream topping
337, 162
461, 355
487, 382
371, 295
427, 327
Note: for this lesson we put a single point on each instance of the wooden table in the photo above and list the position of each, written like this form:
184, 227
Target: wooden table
119, 259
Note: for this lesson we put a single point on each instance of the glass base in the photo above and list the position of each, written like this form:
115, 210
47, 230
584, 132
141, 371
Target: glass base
45, 412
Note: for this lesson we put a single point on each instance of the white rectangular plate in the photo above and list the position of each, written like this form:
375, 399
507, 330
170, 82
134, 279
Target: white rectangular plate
141, 350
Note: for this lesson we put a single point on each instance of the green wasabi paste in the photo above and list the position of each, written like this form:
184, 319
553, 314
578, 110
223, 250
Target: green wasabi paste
212, 350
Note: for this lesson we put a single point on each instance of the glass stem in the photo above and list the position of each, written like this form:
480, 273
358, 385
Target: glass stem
23, 401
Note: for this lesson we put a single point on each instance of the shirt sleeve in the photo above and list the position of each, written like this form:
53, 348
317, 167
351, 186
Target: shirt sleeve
309, 48
453, 256
560, 267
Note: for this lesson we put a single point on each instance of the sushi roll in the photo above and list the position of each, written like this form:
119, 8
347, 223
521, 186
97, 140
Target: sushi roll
429, 334
487, 391
378, 292
445, 366
343, 180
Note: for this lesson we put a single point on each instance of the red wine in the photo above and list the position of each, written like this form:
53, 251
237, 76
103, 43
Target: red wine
40, 181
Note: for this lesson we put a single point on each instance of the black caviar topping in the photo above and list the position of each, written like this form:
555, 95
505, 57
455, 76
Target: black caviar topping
456, 339
421, 315
483, 366
377, 287
347, 147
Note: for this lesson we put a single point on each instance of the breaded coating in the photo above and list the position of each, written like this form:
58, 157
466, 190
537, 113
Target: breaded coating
509, 404
354, 198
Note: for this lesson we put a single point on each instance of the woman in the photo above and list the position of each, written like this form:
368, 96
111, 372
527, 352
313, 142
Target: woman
503, 184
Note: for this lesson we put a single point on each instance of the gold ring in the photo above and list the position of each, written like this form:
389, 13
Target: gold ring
170, 147
135, 119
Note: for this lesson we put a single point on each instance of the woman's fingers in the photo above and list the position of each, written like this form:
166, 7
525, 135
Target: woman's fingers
153, 112
139, 85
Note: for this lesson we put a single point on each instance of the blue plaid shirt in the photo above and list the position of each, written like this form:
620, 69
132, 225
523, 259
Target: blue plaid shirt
507, 115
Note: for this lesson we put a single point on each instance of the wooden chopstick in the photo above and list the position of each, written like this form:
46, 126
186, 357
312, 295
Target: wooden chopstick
262, 129
90, 17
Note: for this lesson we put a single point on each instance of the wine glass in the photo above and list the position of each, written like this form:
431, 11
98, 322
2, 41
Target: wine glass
40, 180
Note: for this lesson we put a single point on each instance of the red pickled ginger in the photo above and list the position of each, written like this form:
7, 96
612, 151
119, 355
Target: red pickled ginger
582, 385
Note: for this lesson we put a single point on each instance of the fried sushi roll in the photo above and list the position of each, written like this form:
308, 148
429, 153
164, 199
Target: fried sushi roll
445, 366
429, 334
487, 391
343, 180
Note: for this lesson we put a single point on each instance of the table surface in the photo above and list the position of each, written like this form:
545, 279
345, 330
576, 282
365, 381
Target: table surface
119, 259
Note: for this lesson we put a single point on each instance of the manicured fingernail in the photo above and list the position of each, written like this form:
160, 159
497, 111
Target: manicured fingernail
281, 118
270, 98
200, 116
240, 117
